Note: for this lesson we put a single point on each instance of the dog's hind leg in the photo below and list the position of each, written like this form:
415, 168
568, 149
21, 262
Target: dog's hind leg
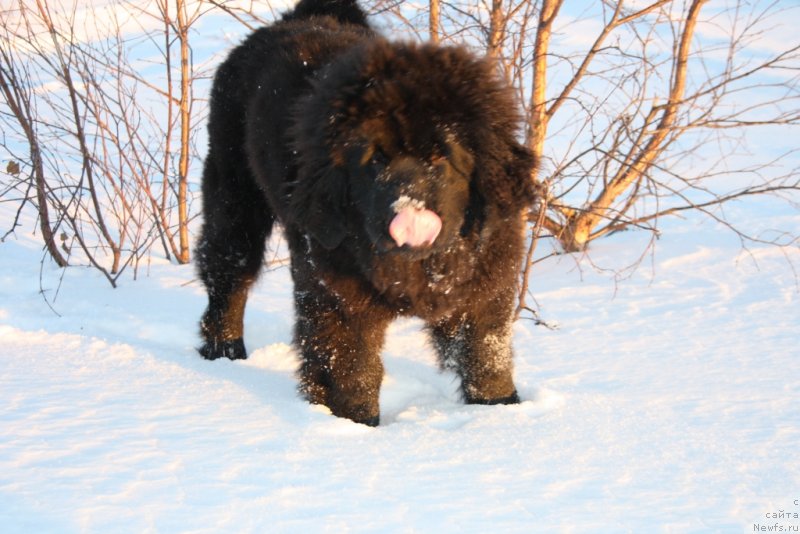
237, 222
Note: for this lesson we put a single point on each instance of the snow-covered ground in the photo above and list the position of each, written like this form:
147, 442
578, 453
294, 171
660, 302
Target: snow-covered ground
664, 402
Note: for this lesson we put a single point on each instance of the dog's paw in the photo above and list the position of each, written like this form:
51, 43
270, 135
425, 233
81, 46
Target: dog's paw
233, 349
511, 399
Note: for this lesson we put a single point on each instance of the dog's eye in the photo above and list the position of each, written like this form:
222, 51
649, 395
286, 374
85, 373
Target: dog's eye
378, 161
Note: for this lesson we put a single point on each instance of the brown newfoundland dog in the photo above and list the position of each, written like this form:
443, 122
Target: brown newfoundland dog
395, 173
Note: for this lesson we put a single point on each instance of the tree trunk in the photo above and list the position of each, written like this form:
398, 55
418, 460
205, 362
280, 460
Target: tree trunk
496, 27
433, 21
186, 117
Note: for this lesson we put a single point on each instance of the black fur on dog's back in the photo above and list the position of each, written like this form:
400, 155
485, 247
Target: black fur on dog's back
344, 11
331, 130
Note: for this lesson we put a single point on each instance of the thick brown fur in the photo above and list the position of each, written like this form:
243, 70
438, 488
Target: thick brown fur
322, 125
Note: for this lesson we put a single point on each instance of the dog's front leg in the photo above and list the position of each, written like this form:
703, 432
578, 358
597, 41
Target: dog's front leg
340, 348
476, 343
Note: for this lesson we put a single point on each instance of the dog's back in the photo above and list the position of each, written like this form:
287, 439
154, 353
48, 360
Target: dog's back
344, 11
253, 95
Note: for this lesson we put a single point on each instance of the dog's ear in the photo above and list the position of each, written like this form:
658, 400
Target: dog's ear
318, 205
520, 169
505, 177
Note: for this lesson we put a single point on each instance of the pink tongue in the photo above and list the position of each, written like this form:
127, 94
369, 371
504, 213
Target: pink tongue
415, 227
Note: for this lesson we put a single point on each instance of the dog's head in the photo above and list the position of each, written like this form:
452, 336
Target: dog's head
410, 201
408, 145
